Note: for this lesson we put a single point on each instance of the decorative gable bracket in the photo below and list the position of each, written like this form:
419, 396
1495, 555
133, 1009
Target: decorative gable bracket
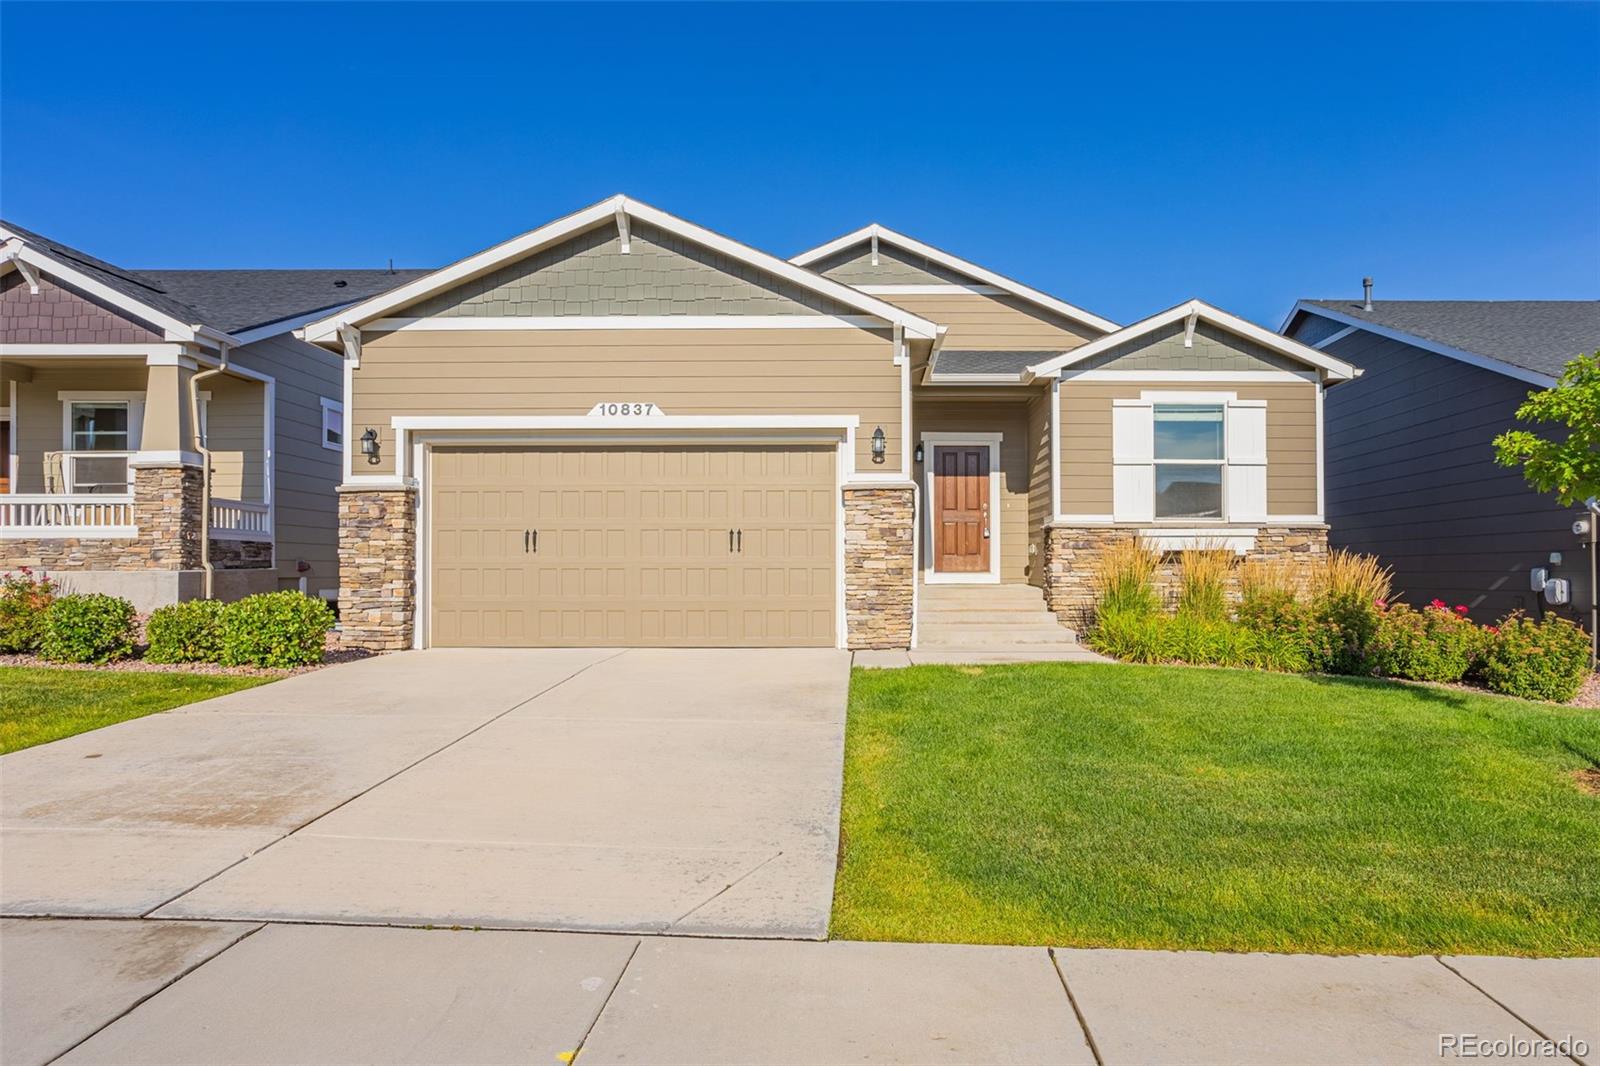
13, 257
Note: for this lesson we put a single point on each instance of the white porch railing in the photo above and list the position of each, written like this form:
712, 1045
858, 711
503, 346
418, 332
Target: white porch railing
78, 473
90, 514
240, 520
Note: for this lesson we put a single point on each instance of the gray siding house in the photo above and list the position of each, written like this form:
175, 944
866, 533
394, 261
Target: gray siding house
1411, 476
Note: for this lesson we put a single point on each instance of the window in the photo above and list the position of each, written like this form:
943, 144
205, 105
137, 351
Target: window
332, 424
1189, 455
99, 427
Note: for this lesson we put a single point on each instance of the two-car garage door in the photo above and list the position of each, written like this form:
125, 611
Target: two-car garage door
687, 546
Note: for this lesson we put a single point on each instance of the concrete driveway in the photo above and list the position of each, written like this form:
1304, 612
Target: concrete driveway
637, 791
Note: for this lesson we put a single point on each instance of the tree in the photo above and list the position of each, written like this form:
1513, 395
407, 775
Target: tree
1568, 465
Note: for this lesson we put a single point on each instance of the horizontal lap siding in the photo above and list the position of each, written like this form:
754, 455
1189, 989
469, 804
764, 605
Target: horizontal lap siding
1039, 501
1086, 440
996, 323
686, 372
37, 425
234, 437
1412, 479
1011, 420
305, 474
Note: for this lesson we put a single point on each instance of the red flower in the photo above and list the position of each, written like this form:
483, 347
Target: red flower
1494, 630
1383, 605
1439, 605
1461, 608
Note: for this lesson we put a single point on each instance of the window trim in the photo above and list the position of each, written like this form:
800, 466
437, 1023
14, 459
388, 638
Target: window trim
336, 408
134, 401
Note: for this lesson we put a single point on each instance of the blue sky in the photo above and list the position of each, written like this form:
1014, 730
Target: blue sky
1122, 157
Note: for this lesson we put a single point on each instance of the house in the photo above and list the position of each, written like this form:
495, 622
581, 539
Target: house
100, 464
1412, 473
622, 428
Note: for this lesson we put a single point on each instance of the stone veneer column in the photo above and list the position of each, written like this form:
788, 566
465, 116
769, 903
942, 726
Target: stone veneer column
377, 567
166, 509
1071, 553
880, 566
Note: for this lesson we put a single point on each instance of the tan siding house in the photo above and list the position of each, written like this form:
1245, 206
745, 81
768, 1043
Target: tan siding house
102, 467
622, 428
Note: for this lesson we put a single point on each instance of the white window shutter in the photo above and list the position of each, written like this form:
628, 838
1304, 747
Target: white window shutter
1247, 460
1133, 482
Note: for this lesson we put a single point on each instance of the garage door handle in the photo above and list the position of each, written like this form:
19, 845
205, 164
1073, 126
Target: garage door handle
741, 541
530, 539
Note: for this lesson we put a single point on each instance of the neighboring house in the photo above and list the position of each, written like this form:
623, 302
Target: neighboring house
1412, 477
624, 429
100, 483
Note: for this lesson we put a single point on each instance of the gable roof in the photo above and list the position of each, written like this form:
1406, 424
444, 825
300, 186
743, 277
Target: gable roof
1537, 337
616, 208
956, 263
240, 300
224, 302
1332, 369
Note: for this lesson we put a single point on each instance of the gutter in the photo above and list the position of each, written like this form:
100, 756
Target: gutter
205, 466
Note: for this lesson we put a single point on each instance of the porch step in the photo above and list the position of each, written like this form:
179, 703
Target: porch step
989, 618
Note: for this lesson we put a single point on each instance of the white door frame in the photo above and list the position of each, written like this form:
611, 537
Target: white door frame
929, 442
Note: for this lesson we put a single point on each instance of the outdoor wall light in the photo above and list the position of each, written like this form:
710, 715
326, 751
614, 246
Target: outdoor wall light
918, 454
369, 445
880, 445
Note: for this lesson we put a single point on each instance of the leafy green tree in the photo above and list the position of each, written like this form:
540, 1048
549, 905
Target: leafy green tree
1565, 464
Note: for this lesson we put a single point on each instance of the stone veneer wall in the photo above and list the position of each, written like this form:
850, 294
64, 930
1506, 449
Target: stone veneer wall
377, 575
166, 511
880, 566
241, 554
1072, 551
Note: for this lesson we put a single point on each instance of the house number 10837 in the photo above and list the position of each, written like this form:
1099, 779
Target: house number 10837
624, 409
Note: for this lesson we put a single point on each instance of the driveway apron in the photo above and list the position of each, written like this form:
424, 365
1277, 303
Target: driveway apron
641, 791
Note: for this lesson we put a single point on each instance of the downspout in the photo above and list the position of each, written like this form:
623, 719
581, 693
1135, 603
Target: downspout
205, 467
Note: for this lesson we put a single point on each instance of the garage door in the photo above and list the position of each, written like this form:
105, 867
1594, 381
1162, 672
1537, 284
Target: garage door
658, 546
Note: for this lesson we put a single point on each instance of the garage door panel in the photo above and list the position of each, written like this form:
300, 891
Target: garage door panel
633, 546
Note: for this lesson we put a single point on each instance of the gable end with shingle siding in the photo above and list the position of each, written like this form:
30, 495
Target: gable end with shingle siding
854, 266
589, 274
1213, 350
60, 314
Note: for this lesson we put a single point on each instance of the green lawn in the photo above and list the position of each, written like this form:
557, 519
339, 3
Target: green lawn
40, 705
1164, 807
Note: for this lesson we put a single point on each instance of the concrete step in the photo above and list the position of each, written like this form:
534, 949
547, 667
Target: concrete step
979, 594
984, 616
987, 638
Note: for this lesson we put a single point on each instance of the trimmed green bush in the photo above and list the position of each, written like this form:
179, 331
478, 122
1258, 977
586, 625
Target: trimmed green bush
188, 632
24, 599
1545, 660
1433, 644
90, 628
275, 629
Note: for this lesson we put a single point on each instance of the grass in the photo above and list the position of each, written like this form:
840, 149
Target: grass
38, 705
1165, 807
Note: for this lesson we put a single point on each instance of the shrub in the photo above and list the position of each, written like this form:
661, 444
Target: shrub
188, 632
1545, 660
1203, 582
1350, 595
91, 628
24, 599
1433, 644
1195, 640
275, 629
1124, 577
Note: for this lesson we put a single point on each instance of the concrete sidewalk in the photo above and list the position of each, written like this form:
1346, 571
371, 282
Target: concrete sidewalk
94, 991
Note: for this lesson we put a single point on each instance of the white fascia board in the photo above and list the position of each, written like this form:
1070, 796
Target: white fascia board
324, 330
932, 290
283, 325
174, 329
514, 323
960, 266
654, 423
1332, 369
160, 350
934, 380
1532, 377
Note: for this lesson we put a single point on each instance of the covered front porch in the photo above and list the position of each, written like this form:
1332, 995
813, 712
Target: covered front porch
100, 467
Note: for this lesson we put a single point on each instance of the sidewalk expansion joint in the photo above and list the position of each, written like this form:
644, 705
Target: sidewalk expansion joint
1083, 1023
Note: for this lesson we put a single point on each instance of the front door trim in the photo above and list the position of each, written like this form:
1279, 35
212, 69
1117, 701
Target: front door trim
992, 440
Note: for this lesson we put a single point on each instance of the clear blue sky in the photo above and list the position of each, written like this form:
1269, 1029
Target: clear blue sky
1121, 157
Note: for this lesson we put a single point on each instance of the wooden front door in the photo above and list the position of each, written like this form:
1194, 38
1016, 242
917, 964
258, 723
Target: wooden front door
961, 509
